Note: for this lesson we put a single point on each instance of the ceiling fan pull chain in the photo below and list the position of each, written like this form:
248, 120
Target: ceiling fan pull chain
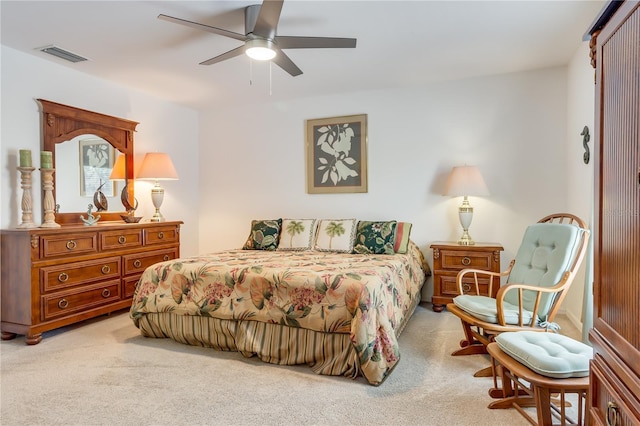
250, 72
270, 84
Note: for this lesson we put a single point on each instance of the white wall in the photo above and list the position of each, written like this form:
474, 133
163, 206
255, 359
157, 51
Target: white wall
581, 105
513, 127
163, 127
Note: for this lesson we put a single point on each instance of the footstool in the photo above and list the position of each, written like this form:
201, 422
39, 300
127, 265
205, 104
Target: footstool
533, 366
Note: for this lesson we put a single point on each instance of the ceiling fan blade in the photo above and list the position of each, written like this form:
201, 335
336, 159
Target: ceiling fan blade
292, 42
284, 62
203, 27
227, 55
268, 18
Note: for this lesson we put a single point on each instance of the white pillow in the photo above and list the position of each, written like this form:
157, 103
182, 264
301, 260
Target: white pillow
297, 234
336, 235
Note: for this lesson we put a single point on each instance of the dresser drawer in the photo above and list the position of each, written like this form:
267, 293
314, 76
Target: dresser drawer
457, 260
129, 285
73, 301
137, 263
449, 285
610, 399
125, 238
68, 244
161, 235
77, 273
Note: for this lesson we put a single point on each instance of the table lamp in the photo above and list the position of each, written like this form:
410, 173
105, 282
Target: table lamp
157, 166
465, 181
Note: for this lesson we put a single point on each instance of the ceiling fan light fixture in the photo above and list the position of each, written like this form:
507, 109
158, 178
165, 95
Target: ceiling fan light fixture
260, 49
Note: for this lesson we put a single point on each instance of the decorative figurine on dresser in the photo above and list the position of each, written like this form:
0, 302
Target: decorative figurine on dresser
54, 276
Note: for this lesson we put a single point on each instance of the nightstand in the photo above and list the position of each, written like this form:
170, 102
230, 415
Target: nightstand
449, 258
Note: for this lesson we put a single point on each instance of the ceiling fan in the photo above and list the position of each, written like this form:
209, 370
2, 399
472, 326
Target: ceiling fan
260, 39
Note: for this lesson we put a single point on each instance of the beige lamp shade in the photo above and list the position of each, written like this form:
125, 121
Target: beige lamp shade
157, 166
466, 180
117, 172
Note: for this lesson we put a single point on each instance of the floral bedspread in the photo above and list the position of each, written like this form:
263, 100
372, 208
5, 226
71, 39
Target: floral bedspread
366, 296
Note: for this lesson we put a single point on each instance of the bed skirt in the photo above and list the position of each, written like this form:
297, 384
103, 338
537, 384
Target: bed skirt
330, 354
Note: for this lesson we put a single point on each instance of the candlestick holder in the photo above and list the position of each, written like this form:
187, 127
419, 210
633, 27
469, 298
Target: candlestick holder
27, 200
49, 203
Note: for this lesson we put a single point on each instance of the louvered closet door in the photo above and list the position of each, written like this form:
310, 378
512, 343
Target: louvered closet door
617, 230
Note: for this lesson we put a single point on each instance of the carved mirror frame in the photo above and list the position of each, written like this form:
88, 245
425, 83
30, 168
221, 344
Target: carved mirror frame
61, 123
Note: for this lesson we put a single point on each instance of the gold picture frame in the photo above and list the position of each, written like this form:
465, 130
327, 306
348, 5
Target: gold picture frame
96, 162
336, 151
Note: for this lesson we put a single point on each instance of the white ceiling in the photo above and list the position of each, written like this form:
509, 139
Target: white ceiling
400, 43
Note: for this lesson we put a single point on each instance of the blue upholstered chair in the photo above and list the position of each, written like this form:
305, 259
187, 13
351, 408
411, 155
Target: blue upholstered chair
537, 281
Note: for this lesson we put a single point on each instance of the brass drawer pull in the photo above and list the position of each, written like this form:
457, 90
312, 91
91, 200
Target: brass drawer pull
137, 263
106, 292
160, 235
63, 277
63, 303
466, 261
466, 288
122, 239
166, 257
612, 414
71, 245
106, 269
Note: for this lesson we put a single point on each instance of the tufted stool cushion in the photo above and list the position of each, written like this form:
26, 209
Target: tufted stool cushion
548, 354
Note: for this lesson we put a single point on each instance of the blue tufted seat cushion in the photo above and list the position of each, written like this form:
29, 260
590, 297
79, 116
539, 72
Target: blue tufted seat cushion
484, 308
548, 354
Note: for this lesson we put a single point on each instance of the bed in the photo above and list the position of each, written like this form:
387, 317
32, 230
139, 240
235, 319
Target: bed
340, 313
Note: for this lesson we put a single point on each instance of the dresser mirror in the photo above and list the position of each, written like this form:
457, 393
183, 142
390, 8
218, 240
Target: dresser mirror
79, 140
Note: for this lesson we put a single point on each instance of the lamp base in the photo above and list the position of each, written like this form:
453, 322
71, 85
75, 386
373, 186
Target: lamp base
465, 239
465, 214
157, 195
157, 217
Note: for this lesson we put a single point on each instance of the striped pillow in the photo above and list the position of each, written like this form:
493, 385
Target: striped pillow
403, 229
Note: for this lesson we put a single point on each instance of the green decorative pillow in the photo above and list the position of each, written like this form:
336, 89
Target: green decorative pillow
335, 235
403, 229
264, 235
297, 234
375, 237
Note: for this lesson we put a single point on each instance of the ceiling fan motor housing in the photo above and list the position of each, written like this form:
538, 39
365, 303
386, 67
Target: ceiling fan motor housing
250, 18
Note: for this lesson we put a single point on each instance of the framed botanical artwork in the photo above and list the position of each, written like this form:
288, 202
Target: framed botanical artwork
96, 162
337, 154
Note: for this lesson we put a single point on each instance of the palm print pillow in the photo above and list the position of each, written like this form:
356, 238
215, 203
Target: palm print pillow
297, 234
336, 235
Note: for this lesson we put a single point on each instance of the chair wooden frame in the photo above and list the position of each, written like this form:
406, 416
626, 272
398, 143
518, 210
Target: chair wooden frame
478, 333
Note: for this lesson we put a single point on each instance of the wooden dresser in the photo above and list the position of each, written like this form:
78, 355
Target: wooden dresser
52, 277
614, 393
449, 258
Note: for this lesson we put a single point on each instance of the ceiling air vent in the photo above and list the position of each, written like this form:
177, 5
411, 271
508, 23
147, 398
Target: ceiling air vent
61, 53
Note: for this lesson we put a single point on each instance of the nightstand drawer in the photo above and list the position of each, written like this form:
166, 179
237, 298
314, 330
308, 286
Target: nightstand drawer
460, 260
450, 288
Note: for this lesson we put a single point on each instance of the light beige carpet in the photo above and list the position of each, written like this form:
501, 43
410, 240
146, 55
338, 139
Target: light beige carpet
103, 372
